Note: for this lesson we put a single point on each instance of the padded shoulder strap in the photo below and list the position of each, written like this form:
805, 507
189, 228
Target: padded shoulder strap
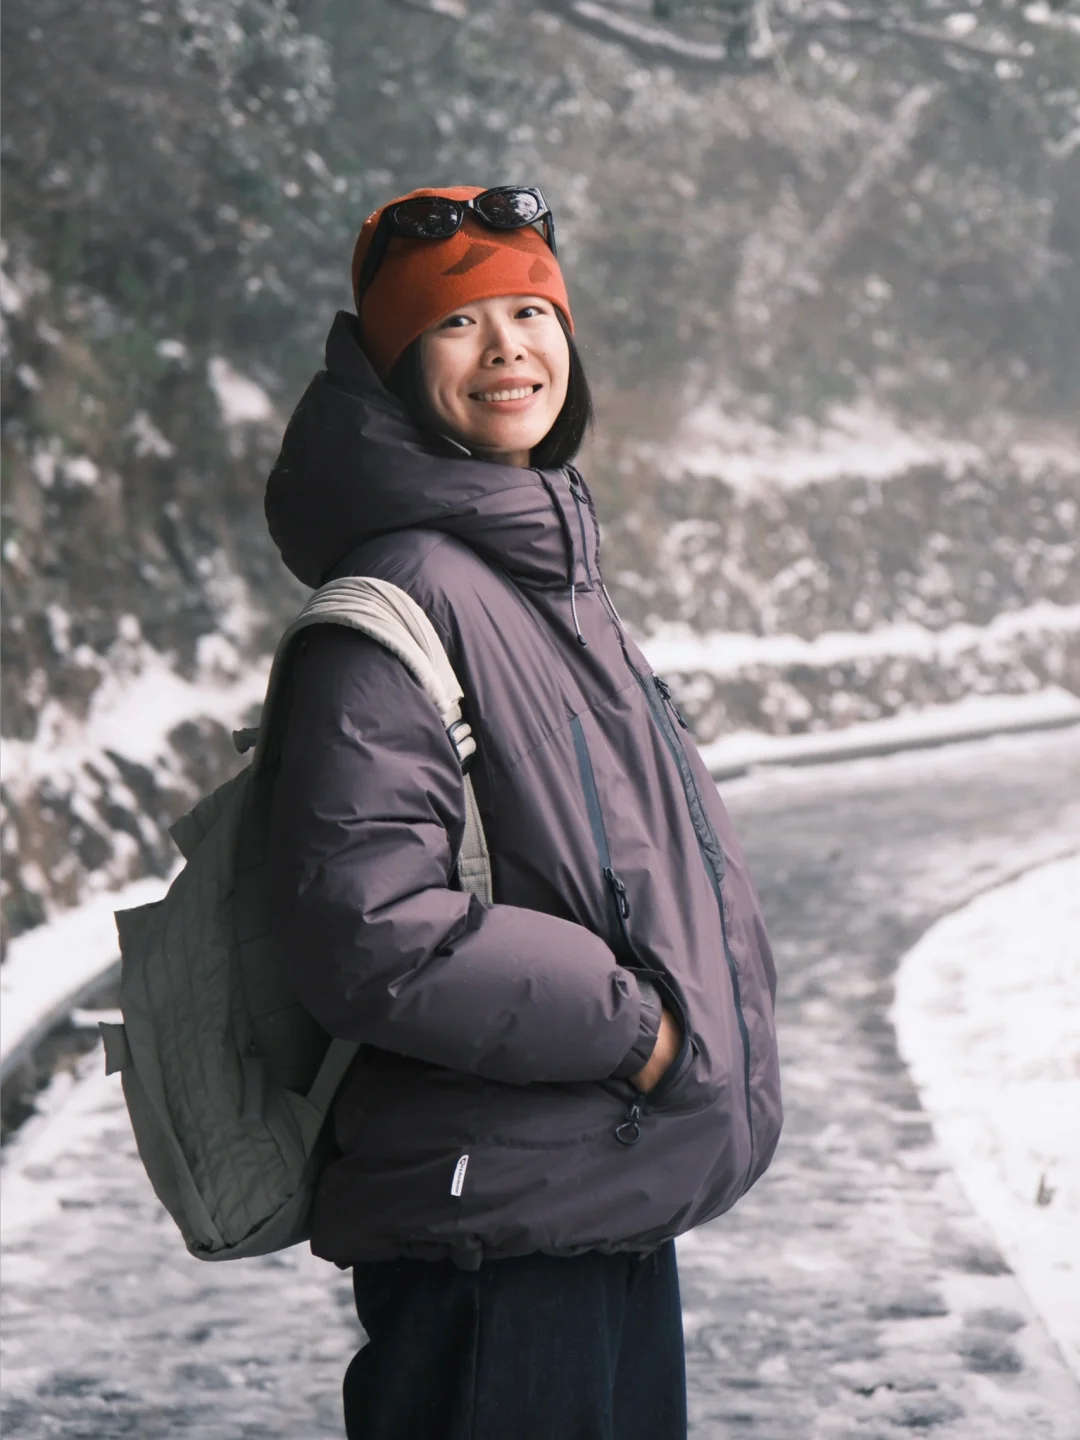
474, 863
387, 614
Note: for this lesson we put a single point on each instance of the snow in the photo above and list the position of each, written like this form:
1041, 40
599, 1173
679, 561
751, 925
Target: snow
19, 282
969, 719
241, 401
147, 437
987, 1014
677, 647
80, 470
110, 1328
139, 701
141, 698
960, 24
50, 967
11, 297
69, 1104
859, 442
132, 718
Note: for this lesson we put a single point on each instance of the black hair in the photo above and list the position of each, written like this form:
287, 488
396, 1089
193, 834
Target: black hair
569, 428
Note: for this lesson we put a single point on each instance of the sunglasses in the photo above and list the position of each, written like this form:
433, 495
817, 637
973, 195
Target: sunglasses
436, 217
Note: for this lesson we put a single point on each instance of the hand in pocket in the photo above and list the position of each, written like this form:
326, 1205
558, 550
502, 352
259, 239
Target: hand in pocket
668, 1044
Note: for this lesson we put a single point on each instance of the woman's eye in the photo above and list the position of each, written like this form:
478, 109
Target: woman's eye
455, 322
527, 311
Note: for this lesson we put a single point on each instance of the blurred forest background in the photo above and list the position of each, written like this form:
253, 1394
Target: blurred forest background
825, 266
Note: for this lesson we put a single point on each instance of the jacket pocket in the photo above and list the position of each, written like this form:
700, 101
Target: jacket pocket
617, 934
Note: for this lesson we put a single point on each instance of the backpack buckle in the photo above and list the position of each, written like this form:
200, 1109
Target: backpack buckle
461, 737
245, 740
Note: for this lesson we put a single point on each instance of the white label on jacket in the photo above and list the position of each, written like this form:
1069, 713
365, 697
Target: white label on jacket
458, 1183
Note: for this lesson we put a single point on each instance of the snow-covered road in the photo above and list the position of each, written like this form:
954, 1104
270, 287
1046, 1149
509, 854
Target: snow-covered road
853, 1293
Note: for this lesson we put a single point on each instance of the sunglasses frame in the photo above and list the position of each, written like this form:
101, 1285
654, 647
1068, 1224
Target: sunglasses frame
389, 226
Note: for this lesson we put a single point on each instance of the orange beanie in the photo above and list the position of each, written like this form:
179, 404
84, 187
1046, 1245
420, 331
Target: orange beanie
420, 281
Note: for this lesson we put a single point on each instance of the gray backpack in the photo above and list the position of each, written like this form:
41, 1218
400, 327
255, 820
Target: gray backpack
227, 1078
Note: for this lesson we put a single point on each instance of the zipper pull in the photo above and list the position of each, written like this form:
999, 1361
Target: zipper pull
665, 690
628, 1131
618, 889
577, 623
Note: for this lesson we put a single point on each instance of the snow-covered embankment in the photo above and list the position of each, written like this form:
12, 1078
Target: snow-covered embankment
987, 1014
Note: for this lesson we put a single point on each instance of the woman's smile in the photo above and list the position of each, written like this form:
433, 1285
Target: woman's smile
510, 395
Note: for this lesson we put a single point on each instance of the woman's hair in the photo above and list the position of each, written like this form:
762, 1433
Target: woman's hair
559, 445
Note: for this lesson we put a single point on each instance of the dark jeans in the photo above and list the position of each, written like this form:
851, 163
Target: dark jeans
539, 1348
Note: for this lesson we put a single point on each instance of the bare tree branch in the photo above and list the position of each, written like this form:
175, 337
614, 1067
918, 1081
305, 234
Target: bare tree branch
881, 160
444, 9
653, 42
902, 30
658, 45
785, 261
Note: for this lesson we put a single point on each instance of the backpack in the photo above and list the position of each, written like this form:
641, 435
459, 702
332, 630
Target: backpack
227, 1079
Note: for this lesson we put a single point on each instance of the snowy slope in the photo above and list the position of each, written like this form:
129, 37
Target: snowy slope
987, 1013
88, 800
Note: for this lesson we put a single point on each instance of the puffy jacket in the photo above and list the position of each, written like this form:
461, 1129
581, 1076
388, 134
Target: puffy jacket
504, 1033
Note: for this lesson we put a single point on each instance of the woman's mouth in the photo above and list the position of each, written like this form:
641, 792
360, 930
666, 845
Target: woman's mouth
507, 396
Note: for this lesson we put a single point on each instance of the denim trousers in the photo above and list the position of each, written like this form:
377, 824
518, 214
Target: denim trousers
588, 1347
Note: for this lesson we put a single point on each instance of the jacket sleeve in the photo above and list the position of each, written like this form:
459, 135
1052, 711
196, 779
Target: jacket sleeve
367, 815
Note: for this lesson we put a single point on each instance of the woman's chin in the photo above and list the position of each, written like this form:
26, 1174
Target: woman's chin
496, 441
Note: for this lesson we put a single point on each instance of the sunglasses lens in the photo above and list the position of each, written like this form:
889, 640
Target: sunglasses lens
427, 219
509, 209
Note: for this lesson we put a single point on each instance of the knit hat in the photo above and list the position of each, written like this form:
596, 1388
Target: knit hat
420, 281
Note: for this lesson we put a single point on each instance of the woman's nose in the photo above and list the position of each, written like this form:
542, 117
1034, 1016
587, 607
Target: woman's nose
504, 348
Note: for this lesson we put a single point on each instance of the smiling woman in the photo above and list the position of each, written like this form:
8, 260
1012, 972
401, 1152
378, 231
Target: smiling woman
557, 1083
465, 315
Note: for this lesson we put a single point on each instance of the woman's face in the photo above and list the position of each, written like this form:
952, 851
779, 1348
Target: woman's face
496, 373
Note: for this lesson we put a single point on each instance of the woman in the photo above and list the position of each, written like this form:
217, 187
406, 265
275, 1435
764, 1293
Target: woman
555, 1085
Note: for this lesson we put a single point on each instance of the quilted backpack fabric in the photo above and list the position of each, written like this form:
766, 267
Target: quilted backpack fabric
227, 1079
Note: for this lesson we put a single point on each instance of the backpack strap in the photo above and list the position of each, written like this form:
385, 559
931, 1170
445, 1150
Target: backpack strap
339, 1056
474, 863
387, 614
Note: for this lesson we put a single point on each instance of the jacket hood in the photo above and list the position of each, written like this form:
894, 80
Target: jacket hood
352, 466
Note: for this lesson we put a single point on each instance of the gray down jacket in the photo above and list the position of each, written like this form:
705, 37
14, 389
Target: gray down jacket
505, 1033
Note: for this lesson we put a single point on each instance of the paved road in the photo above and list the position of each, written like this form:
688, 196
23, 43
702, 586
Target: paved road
852, 1294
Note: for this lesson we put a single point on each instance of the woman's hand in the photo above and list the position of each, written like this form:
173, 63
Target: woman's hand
668, 1044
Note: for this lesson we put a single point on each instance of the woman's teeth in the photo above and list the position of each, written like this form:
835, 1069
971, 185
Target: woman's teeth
520, 394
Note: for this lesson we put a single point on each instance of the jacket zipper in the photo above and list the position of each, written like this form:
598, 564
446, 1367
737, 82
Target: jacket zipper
665, 690
715, 867
616, 890
712, 851
628, 1132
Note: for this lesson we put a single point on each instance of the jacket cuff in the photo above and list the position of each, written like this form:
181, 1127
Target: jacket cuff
648, 1029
